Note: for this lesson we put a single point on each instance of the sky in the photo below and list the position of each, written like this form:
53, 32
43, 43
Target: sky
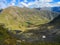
29, 3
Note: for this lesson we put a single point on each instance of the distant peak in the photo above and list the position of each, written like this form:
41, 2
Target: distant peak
13, 7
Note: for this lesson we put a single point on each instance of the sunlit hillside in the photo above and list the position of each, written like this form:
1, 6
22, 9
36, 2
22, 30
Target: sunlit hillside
25, 26
16, 18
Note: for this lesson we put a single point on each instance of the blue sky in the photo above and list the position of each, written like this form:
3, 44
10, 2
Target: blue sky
29, 3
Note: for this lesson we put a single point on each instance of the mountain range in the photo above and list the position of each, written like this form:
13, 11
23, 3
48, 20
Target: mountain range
54, 9
29, 26
51, 32
16, 18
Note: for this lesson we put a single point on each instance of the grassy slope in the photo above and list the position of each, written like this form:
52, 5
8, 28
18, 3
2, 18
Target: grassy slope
6, 39
17, 18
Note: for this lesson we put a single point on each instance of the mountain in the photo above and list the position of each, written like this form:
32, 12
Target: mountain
56, 9
16, 18
49, 32
13, 19
1, 10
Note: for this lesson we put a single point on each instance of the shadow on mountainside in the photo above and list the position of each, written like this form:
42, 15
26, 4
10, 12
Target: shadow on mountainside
51, 31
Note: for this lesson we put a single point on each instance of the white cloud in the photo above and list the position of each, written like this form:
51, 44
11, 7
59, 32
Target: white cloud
24, 4
36, 3
25, 1
3, 4
57, 4
12, 3
40, 3
44, 1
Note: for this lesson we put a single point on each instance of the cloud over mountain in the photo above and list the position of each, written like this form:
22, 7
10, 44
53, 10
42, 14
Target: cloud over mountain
27, 3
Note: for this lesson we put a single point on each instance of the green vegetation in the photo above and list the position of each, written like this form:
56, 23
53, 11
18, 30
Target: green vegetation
5, 38
17, 18
40, 43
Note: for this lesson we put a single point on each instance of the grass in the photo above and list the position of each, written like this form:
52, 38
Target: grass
22, 19
17, 18
7, 39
